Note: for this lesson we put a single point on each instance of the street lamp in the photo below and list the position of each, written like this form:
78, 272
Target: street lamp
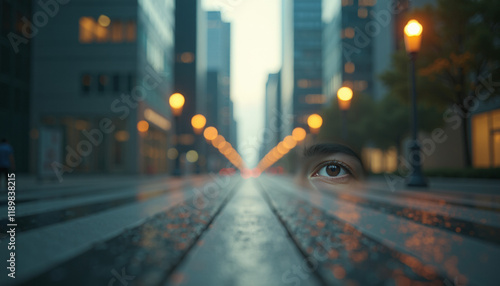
413, 39
198, 122
344, 95
176, 102
314, 121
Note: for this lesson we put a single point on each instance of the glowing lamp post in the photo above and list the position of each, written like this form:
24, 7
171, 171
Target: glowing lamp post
176, 102
344, 95
299, 134
413, 39
314, 121
198, 122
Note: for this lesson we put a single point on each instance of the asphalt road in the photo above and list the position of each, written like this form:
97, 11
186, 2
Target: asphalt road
210, 230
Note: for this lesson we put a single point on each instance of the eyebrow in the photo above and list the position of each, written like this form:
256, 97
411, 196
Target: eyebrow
324, 149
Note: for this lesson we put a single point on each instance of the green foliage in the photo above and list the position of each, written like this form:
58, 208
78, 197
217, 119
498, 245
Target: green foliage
459, 48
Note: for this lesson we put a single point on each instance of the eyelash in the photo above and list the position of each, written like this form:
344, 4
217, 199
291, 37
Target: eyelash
333, 162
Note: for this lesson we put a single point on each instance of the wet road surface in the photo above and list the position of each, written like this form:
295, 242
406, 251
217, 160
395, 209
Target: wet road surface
210, 230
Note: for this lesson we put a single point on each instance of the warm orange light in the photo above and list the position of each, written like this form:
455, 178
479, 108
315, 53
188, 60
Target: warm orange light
413, 36
143, 126
176, 102
198, 122
344, 93
298, 134
210, 133
289, 142
314, 121
282, 149
218, 141
104, 20
413, 28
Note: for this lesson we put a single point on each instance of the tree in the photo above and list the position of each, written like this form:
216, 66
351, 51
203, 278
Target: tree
460, 51
382, 124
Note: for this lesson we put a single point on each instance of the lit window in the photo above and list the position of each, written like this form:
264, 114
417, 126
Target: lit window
347, 2
349, 33
131, 31
315, 99
486, 139
104, 30
187, 57
303, 83
349, 67
86, 29
367, 2
362, 13
100, 33
117, 31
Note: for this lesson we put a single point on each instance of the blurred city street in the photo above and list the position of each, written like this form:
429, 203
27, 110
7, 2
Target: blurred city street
260, 231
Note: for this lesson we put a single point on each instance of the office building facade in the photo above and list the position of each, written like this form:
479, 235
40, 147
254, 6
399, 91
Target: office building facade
102, 74
301, 74
15, 60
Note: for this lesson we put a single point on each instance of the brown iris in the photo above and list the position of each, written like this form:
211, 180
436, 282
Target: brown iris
333, 170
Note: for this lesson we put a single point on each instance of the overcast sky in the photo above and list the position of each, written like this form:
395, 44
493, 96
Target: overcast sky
256, 52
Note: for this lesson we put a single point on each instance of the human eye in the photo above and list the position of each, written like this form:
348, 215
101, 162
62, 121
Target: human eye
334, 171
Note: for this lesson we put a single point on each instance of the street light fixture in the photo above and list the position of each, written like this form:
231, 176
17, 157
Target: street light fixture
344, 95
413, 39
176, 102
198, 122
314, 121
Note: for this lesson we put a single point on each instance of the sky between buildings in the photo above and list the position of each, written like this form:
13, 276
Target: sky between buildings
256, 52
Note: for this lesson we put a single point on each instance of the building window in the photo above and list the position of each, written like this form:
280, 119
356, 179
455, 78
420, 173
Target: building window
131, 31
347, 2
349, 33
86, 82
117, 31
349, 67
116, 83
106, 30
486, 139
130, 82
367, 2
103, 82
362, 13
315, 99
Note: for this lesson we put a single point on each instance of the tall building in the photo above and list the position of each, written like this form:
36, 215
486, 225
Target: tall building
301, 76
15, 55
102, 74
190, 70
350, 35
219, 66
273, 115
220, 106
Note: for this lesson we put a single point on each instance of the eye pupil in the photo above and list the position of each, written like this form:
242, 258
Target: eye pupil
332, 170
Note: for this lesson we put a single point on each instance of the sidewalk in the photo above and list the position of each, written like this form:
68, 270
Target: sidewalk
467, 186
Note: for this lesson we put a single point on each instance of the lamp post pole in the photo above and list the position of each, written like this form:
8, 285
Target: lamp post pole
344, 95
413, 31
176, 102
177, 163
